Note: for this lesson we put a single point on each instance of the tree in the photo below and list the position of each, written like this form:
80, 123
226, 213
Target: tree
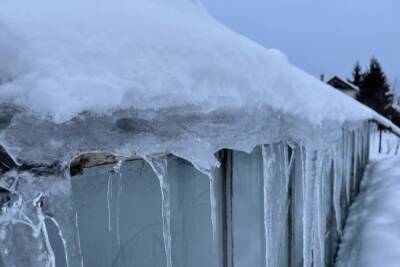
375, 90
357, 75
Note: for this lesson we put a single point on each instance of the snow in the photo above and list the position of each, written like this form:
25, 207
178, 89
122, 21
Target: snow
67, 57
143, 77
372, 236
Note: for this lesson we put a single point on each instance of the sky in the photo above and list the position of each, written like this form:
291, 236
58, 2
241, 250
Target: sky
320, 36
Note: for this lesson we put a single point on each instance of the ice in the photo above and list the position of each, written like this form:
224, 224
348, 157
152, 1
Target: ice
109, 190
33, 203
160, 168
213, 198
117, 169
337, 189
292, 178
309, 166
275, 187
319, 217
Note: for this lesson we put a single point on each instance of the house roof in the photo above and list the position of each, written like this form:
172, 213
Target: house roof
339, 83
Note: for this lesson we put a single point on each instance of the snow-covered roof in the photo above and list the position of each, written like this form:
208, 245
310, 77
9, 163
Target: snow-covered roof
345, 84
145, 76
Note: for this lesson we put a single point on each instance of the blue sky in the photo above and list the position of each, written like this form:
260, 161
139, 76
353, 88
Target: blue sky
320, 36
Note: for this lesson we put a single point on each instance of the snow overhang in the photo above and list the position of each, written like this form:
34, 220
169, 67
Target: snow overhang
182, 83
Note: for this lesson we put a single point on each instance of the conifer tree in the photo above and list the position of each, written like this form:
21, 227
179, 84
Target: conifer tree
375, 90
357, 75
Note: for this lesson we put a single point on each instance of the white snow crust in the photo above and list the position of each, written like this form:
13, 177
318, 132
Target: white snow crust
66, 57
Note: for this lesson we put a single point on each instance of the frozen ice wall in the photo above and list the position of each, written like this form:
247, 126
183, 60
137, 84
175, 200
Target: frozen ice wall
287, 201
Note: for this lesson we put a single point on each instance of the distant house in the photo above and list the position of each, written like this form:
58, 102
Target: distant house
344, 86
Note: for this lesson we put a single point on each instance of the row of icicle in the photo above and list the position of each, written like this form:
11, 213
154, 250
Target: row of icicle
278, 166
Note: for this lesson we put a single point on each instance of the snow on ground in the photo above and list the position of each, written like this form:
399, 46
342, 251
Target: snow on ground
372, 233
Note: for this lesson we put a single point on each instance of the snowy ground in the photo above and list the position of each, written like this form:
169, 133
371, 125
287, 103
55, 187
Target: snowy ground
372, 234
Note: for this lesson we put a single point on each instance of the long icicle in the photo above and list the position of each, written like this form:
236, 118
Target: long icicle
309, 161
109, 190
160, 167
43, 229
213, 204
117, 170
268, 161
287, 165
337, 185
319, 219
78, 236
213, 200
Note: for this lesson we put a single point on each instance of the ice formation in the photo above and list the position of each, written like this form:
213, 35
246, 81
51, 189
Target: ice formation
159, 166
143, 79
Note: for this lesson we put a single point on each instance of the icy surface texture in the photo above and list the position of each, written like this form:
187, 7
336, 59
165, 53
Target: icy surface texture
289, 204
247, 209
33, 199
276, 203
193, 135
144, 239
286, 203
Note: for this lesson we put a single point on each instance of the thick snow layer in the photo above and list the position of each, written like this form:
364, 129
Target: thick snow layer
372, 234
142, 77
65, 57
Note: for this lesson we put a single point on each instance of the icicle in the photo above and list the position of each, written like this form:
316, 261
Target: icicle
37, 202
60, 210
337, 183
109, 190
267, 176
309, 166
119, 209
78, 237
355, 162
213, 204
287, 165
347, 164
319, 219
117, 169
213, 200
159, 167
